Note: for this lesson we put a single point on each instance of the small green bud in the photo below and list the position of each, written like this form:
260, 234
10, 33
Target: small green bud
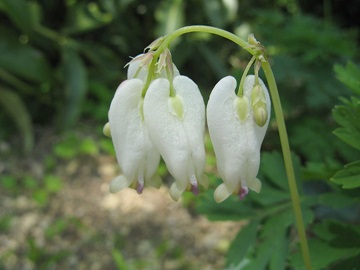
176, 106
258, 102
252, 40
155, 44
257, 95
241, 105
260, 114
106, 130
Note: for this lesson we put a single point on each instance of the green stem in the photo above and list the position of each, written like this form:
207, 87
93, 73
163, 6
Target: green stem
151, 74
288, 163
191, 29
241, 85
204, 29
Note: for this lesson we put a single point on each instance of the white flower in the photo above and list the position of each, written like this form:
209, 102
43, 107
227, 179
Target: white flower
176, 126
237, 129
137, 157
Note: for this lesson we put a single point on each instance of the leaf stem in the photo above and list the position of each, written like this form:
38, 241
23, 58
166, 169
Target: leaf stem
241, 85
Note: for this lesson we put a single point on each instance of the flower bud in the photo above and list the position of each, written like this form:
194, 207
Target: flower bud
155, 44
241, 105
106, 130
258, 102
176, 106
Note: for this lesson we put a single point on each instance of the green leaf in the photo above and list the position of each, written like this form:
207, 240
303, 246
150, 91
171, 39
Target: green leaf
336, 200
349, 176
75, 76
86, 17
33, 65
19, 13
271, 237
272, 167
324, 255
347, 136
348, 116
239, 246
349, 75
52, 183
119, 260
41, 196
269, 196
338, 234
15, 107
88, 147
230, 209
278, 258
319, 170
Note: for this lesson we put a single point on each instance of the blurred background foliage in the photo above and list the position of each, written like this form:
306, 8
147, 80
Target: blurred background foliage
61, 61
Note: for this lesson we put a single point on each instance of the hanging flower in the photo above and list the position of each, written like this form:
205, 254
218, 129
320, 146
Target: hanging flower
237, 127
137, 157
174, 113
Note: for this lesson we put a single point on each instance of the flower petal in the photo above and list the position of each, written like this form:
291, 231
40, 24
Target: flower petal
136, 155
118, 183
221, 193
176, 126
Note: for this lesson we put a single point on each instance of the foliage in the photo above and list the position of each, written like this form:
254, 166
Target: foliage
348, 117
271, 220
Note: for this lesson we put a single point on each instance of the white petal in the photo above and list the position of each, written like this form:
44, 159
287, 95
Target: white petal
176, 189
221, 193
236, 143
119, 183
155, 181
137, 157
179, 140
255, 185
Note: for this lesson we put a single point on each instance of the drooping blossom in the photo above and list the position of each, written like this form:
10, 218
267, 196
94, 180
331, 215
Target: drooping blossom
174, 113
237, 126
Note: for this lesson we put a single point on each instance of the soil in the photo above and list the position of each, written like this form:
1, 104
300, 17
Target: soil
84, 226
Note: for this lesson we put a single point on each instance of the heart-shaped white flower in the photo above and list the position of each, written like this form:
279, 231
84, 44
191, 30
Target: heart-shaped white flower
137, 157
235, 134
176, 127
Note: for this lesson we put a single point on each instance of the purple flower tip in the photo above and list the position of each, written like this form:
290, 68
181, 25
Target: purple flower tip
195, 189
139, 188
243, 192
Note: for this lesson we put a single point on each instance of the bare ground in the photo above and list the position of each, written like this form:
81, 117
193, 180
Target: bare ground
83, 226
